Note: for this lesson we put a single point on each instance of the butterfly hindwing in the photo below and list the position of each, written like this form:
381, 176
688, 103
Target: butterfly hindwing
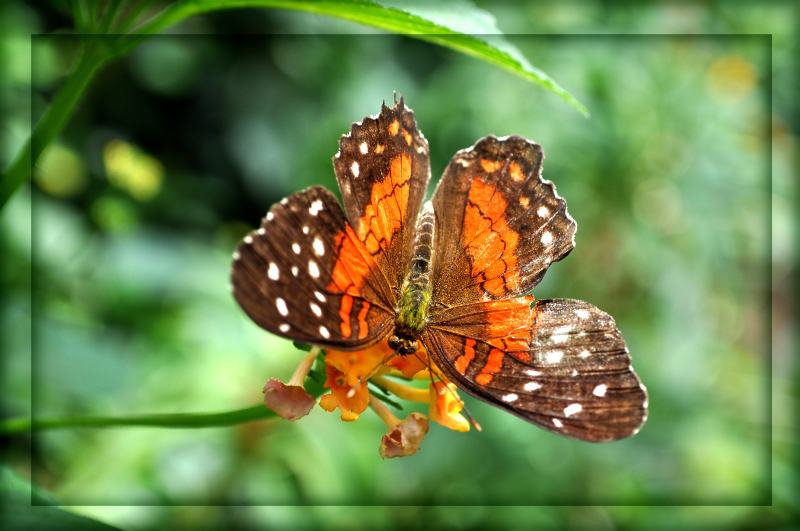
383, 169
574, 377
498, 220
305, 275
318, 273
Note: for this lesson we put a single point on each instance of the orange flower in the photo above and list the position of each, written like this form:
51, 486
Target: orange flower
347, 375
351, 401
412, 364
444, 403
446, 406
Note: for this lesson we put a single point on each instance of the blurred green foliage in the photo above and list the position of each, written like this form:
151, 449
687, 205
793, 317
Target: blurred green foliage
128, 264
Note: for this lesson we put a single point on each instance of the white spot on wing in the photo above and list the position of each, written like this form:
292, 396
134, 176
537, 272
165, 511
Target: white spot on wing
542, 211
284, 328
270, 216
316, 309
281, 305
296, 248
313, 269
547, 237
285, 200
554, 356
316, 207
600, 390
248, 239
561, 334
273, 272
572, 409
584, 354
295, 271
363, 148
354, 169
261, 231
557, 423
582, 313
324, 332
532, 386
320, 297
306, 230
531, 372
236, 255
319, 248
510, 397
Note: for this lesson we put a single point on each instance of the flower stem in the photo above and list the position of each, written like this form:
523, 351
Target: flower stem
406, 392
167, 420
302, 370
19, 425
383, 412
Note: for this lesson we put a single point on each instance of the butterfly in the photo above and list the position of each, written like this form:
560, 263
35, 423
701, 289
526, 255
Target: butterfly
453, 273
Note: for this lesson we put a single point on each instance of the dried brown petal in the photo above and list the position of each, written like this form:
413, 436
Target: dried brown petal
404, 439
289, 401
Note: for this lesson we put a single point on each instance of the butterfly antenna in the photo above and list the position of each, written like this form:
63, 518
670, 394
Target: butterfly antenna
464, 410
380, 364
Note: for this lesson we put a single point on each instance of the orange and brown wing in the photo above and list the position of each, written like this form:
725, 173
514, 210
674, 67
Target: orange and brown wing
305, 275
383, 169
562, 365
499, 225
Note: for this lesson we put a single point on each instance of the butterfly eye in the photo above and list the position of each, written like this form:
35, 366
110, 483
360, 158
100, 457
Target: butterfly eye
395, 343
408, 347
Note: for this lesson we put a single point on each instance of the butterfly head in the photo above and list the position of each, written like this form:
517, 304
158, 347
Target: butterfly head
402, 343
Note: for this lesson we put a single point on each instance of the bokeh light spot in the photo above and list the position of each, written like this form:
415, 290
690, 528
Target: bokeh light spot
132, 170
60, 172
731, 78
114, 214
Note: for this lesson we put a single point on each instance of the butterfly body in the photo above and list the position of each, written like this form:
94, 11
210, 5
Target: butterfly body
453, 274
416, 291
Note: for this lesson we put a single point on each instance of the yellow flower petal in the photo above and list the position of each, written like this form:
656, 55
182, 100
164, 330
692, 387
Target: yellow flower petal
445, 406
351, 400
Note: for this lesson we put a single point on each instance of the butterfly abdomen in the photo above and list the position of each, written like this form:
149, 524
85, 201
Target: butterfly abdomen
416, 292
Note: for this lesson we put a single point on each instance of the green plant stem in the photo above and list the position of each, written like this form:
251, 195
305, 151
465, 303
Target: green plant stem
168, 420
53, 121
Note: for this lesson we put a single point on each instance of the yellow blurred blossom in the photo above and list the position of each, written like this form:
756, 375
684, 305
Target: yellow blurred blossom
132, 170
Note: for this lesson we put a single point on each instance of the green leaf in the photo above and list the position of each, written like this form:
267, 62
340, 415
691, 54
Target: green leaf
315, 383
384, 397
454, 24
27, 508
305, 347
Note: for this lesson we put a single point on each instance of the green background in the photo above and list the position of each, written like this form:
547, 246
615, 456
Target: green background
679, 184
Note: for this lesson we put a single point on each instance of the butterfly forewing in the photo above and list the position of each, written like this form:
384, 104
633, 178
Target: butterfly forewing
305, 275
574, 378
383, 169
499, 224
317, 273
